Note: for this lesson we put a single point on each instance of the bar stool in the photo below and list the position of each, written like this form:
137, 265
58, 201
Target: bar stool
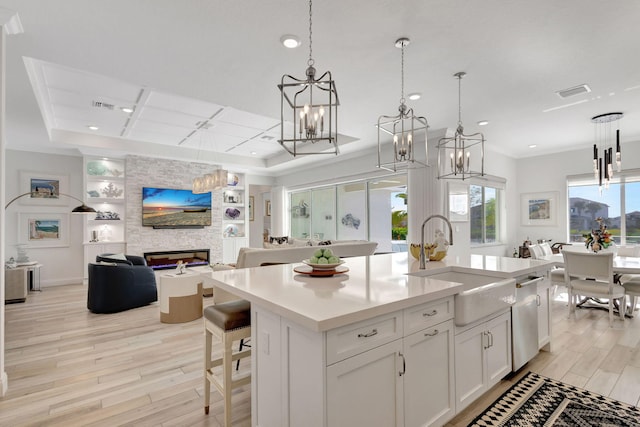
229, 321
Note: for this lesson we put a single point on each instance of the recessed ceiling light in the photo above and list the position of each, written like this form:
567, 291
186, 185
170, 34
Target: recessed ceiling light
127, 109
483, 122
414, 96
92, 127
532, 146
253, 153
290, 41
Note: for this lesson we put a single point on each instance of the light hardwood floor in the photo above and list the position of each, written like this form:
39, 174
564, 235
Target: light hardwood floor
69, 367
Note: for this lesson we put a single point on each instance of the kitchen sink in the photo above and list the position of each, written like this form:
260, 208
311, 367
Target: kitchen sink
482, 295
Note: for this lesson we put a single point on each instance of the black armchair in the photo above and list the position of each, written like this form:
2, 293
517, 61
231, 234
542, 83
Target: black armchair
117, 285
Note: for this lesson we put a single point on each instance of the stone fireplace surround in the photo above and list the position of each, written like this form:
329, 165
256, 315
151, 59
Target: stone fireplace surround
163, 260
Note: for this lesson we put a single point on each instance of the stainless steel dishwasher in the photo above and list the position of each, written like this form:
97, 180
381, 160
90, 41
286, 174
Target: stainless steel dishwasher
524, 321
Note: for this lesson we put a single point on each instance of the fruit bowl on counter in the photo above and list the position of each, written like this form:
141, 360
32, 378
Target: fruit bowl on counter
328, 266
322, 263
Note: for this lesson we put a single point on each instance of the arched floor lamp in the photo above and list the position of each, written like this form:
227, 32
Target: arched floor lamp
82, 209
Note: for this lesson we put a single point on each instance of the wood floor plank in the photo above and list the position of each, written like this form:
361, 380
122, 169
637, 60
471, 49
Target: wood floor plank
69, 367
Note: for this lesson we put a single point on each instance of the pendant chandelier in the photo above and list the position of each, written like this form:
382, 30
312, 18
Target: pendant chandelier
404, 128
461, 156
603, 166
309, 110
210, 182
215, 180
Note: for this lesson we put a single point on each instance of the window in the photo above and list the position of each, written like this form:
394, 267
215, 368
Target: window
361, 210
484, 202
618, 206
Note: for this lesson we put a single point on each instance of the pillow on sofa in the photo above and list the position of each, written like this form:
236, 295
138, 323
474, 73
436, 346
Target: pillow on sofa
279, 240
118, 258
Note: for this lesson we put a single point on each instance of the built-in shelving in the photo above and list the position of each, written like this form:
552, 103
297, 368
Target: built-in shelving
104, 185
234, 216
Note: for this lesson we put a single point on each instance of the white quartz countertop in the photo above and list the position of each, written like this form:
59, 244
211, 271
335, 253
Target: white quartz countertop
374, 285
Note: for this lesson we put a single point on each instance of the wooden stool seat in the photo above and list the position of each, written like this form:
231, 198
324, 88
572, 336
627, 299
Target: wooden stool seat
230, 321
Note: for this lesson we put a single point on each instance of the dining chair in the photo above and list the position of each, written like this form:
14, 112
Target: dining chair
630, 282
596, 279
556, 275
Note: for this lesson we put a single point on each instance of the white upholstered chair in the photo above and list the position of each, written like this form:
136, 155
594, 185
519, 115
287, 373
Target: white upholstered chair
630, 282
598, 268
556, 275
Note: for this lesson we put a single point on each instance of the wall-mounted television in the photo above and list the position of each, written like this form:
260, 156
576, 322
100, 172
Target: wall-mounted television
170, 208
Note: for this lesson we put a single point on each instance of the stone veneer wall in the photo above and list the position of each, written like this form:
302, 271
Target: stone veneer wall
151, 172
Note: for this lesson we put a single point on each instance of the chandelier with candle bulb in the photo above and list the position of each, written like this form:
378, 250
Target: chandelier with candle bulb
309, 110
461, 156
409, 132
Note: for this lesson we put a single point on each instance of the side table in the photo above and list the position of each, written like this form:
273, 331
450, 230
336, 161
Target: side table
180, 297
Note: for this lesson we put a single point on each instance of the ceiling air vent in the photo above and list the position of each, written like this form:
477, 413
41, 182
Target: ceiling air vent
100, 104
573, 91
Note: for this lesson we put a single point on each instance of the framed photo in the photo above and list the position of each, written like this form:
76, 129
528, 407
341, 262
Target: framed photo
43, 230
267, 207
45, 188
539, 208
251, 204
458, 202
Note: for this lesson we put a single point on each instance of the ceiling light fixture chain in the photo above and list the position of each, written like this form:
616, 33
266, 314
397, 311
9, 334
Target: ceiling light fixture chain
461, 156
404, 129
309, 109
310, 62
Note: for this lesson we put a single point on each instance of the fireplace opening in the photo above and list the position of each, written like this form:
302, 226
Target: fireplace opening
163, 260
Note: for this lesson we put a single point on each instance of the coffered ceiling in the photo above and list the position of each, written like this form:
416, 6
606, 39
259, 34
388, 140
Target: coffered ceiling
200, 76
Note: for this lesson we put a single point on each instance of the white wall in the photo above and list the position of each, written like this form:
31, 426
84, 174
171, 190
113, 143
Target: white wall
61, 265
549, 173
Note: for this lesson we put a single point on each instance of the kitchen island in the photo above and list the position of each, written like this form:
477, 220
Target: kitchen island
371, 346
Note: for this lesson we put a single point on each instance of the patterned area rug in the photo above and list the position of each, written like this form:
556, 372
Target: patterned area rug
539, 401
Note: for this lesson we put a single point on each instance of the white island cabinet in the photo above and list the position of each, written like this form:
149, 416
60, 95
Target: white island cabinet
373, 346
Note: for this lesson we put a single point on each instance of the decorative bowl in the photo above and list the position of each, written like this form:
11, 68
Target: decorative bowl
322, 266
433, 255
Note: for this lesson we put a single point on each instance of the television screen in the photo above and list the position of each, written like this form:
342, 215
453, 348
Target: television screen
168, 208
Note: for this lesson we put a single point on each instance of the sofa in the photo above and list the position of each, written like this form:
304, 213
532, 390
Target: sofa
286, 253
119, 282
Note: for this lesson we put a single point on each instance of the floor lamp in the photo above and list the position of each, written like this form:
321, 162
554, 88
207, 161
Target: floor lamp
82, 209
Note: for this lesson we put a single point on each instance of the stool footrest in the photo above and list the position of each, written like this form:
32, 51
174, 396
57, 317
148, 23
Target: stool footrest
234, 356
240, 380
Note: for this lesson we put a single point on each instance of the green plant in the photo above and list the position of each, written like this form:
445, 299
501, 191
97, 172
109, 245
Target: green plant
399, 233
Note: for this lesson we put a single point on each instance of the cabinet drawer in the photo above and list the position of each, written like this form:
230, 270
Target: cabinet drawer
355, 338
427, 315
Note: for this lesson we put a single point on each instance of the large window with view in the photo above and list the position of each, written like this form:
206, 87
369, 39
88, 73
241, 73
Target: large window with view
618, 206
374, 210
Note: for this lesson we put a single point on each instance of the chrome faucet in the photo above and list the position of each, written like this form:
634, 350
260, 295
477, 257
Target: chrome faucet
423, 261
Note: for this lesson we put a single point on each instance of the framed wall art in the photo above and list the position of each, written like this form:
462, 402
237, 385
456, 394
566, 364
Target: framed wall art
539, 208
43, 230
251, 205
267, 207
45, 188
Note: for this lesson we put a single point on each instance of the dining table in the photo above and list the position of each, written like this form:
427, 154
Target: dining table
621, 265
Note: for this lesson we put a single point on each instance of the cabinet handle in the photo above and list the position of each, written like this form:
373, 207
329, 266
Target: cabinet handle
486, 340
433, 334
433, 313
404, 365
368, 334
538, 300
490, 339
